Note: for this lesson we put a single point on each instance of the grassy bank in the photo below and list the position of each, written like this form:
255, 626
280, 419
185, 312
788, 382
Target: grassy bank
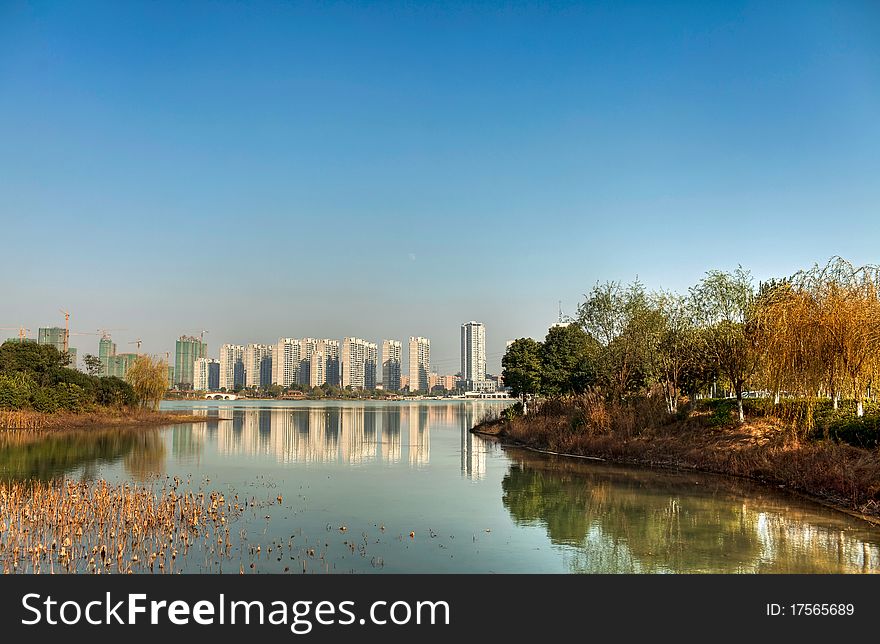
766, 449
100, 418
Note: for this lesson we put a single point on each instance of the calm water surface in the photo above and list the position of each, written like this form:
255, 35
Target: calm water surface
384, 470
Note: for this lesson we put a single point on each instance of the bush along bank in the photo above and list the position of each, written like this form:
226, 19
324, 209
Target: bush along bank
38, 391
803, 446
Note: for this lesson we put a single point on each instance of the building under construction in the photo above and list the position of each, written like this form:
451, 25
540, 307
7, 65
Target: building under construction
188, 350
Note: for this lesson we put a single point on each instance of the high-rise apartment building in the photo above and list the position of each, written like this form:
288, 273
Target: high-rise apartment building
317, 369
187, 351
359, 359
286, 362
392, 354
258, 365
473, 355
206, 374
231, 366
307, 347
54, 336
419, 363
330, 349
106, 350
200, 374
213, 374
371, 363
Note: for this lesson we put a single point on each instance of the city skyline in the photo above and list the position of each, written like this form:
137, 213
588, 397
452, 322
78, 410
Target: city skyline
285, 362
411, 167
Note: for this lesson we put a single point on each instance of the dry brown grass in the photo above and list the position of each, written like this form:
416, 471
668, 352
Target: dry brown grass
35, 420
765, 450
70, 527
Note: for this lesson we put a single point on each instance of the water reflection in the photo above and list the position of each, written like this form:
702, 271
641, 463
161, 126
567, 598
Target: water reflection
48, 455
611, 519
320, 434
473, 447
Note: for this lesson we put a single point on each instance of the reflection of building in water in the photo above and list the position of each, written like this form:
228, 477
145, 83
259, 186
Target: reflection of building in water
473, 448
356, 445
187, 441
287, 434
419, 429
390, 438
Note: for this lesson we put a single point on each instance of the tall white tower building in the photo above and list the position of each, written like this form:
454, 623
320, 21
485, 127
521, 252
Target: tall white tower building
392, 354
258, 365
473, 354
231, 366
285, 361
419, 363
359, 359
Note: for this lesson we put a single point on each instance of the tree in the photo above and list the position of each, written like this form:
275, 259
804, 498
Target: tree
725, 304
149, 379
42, 362
627, 330
94, 366
567, 364
521, 366
676, 344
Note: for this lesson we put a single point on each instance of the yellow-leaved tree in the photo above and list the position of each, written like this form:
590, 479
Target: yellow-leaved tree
149, 379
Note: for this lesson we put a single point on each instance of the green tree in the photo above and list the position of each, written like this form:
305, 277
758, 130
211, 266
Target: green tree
725, 305
149, 379
521, 366
40, 361
676, 344
627, 329
567, 363
94, 366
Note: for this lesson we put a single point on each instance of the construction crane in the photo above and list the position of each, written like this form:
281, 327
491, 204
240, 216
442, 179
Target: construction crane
21, 331
138, 342
66, 328
105, 333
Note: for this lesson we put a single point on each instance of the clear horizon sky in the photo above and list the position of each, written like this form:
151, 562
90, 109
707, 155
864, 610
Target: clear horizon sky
381, 170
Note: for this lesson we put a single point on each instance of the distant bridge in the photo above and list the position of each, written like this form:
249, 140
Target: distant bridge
220, 396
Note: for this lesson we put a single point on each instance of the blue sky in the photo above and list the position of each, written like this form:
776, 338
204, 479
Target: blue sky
261, 169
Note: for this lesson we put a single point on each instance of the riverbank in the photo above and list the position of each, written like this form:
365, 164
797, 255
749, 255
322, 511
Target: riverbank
764, 450
102, 418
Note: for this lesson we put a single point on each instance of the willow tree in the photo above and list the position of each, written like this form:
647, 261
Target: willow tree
149, 379
725, 305
847, 325
790, 341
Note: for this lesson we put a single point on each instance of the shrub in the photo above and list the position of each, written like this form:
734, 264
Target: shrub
115, 392
859, 432
15, 391
514, 411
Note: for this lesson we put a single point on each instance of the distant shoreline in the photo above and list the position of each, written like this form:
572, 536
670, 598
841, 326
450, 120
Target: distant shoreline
102, 419
345, 399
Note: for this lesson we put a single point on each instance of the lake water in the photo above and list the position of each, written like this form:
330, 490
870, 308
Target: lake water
357, 478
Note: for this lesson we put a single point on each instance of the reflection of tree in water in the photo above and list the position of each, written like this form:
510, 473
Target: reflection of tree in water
613, 519
147, 456
48, 455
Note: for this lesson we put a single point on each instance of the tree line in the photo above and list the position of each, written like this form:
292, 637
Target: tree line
813, 335
37, 377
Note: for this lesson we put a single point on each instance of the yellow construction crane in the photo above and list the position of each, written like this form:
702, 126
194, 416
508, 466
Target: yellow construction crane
66, 329
21, 331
